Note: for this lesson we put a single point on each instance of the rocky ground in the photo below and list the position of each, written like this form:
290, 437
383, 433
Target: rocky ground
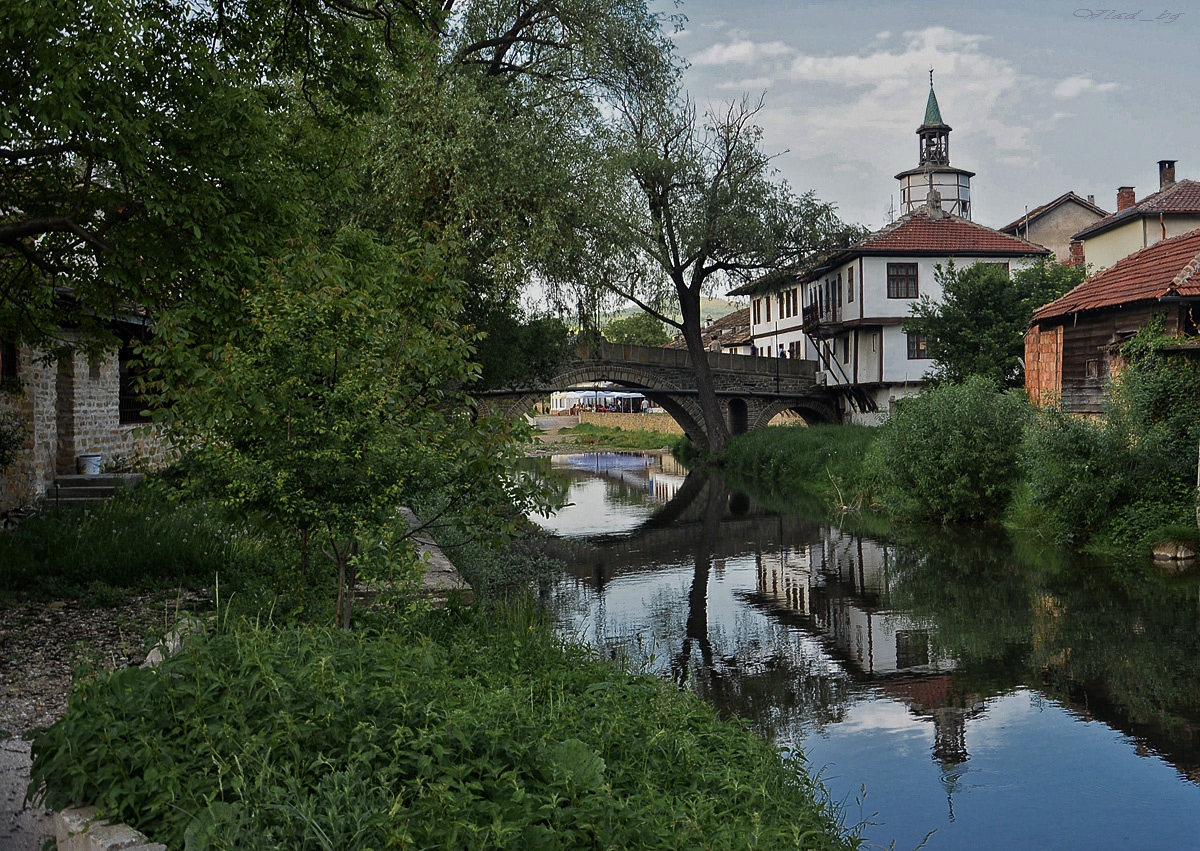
40, 646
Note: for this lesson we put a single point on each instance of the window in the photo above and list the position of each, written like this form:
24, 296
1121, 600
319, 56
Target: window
918, 347
902, 280
846, 349
768, 301
839, 289
757, 311
1092, 367
129, 402
850, 284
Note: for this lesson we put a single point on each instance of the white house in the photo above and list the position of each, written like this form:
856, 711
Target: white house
846, 309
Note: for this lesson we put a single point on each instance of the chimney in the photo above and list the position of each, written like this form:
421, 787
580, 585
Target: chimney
1076, 258
934, 203
1166, 173
1091, 199
1125, 198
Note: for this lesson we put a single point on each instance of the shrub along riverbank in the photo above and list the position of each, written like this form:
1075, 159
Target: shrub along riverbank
1116, 484
414, 729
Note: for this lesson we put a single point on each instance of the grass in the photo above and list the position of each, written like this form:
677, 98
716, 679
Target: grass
615, 437
448, 729
803, 466
135, 542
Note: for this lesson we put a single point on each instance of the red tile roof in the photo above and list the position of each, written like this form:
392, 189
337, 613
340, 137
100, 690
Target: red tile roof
1167, 268
913, 235
1037, 212
1180, 198
916, 233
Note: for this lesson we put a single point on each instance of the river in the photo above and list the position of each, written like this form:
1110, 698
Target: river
949, 689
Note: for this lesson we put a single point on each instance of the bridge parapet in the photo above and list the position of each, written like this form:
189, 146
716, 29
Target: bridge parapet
682, 359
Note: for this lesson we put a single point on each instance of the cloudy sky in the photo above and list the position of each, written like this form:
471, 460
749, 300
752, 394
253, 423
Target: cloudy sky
1044, 97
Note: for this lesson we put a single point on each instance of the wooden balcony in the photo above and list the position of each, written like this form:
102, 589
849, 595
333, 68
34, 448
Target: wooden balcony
816, 319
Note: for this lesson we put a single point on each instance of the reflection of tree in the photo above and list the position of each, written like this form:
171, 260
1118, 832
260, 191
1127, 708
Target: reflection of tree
1117, 643
975, 597
764, 681
1124, 645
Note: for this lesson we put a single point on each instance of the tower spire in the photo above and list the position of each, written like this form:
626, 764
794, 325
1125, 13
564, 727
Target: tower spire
933, 169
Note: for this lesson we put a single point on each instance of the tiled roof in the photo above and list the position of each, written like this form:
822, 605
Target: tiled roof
1180, 198
734, 323
916, 233
1037, 212
1167, 268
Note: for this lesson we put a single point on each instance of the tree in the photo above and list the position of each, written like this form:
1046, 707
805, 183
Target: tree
145, 150
343, 400
978, 326
641, 329
698, 206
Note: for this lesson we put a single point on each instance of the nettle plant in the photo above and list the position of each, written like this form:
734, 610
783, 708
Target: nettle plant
338, 397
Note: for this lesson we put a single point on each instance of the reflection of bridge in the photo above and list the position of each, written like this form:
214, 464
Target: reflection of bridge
752, 390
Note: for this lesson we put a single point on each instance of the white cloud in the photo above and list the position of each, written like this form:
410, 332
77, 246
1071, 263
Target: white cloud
884, 92
752, 85
740, 51
1076, 86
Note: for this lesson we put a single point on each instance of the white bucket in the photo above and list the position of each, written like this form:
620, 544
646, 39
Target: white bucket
87, 465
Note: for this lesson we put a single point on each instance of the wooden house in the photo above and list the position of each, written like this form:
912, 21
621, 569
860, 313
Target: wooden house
1073, 345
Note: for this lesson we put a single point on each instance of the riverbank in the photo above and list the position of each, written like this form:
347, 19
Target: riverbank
516, 738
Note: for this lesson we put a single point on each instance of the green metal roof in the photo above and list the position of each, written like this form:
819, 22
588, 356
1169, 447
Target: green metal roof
933, 115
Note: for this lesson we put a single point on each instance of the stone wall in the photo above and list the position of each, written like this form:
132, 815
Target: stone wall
69, 408
633, 422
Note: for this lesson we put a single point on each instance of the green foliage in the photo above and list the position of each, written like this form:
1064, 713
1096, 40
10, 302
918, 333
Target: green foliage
1115, 480
822, 463
950, 454
513, 350
338, 398
641, 329
453, 731
12, 437
148, 146
978, 326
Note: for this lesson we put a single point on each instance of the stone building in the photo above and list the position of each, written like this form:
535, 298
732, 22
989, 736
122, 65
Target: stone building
67, 408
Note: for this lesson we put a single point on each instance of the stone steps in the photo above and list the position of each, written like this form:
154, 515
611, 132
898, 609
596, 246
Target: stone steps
81, 491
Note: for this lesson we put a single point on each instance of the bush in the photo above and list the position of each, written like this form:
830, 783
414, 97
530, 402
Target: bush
950, 454
822, 460
452, 731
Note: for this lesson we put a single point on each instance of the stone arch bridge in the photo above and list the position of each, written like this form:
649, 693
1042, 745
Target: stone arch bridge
751, 390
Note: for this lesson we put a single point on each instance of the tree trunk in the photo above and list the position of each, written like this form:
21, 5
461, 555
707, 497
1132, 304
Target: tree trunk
706, 394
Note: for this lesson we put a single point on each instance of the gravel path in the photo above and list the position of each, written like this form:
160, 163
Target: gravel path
40, 645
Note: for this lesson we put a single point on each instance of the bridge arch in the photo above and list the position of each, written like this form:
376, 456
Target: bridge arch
812, 410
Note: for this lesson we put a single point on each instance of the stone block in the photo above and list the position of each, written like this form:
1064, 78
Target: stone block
79, 830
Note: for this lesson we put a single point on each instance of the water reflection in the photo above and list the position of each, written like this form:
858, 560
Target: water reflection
958, 680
